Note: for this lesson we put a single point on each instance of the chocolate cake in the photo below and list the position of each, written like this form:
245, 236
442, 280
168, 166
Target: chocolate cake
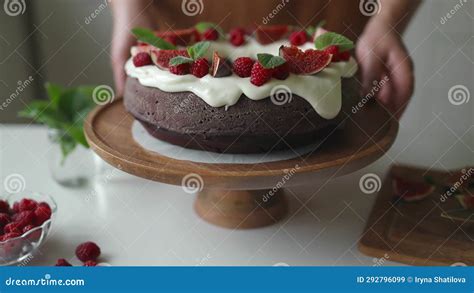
170, 110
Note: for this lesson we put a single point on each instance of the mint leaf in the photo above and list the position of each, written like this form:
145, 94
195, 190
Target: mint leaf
54, 92
328, 39
147, 36
75, 101
65, 111
178, 60
43, 112
77, 133
198, 50
201, 27
270, 61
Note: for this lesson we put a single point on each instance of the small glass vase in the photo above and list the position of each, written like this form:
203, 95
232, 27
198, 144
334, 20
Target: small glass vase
77, 169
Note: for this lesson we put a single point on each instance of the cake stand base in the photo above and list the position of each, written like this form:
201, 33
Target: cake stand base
238, 195
241, 209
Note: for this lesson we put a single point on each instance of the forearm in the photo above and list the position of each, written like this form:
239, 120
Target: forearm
128, 14
394, 14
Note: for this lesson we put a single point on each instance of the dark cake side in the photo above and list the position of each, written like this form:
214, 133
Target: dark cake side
247, 127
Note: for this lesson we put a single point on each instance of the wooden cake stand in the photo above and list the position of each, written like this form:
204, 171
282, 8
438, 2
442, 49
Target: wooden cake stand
243, 195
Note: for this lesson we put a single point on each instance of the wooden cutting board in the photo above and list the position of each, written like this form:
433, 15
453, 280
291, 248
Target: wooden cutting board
415, 233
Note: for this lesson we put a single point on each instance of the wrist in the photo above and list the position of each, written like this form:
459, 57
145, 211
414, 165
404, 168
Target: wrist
379, 27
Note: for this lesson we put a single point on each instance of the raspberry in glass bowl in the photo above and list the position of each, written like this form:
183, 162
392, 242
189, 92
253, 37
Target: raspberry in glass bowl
25, 220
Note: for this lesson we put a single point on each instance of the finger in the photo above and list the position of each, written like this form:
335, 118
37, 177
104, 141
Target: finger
371, 67
385, 93
402, 79
120, 53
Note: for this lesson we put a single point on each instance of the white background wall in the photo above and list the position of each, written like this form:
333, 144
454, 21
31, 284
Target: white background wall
72, 52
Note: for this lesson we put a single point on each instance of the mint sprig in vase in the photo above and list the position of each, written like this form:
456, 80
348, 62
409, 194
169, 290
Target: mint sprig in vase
70, 160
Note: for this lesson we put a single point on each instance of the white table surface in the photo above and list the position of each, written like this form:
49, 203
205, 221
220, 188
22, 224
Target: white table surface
140, 222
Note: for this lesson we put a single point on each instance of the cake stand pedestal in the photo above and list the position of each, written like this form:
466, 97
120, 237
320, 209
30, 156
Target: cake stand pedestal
243, 195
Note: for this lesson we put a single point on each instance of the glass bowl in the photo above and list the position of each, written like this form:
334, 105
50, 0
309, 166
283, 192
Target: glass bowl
20, 249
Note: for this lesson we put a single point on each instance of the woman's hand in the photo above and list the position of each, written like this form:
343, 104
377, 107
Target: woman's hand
127, 15
382, 56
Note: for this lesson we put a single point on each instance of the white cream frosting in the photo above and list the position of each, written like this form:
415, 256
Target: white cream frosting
322, 90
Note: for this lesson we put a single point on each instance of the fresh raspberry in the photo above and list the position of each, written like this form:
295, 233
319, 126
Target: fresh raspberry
282, 72
90, 263
200, 67
15, 207
181, 69
142, 59
87, 251
4, 207
237, 37
260, 75
10, 235
12, 227
344, 56
4, 219
243, 66
27, 228
27, 204
210, 34
41, 215
298, 38
61, 262
24, 218
45, 205
334, 50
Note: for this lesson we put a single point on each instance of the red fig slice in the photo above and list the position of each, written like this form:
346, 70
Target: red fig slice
295, 58
162, 58
315, 61
182, 37
308, 62
411, 190
271, 33
221, 67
